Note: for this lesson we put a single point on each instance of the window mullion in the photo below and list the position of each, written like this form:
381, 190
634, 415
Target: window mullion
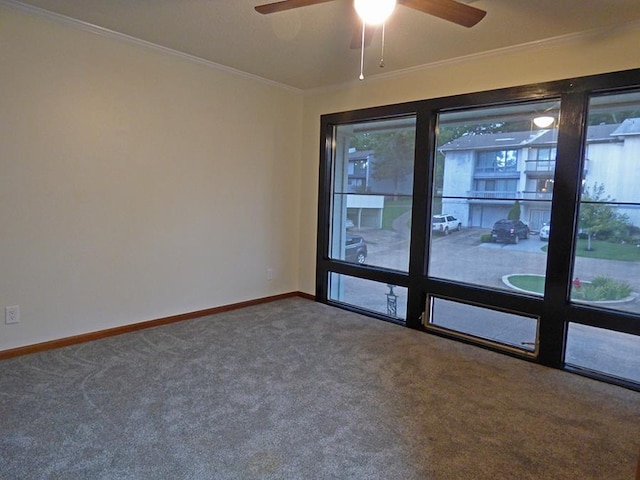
553, 322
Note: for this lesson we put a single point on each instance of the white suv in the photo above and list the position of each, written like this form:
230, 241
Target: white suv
445, 224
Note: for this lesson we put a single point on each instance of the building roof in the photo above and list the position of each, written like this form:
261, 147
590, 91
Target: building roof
493, 141
602, 133
631, 126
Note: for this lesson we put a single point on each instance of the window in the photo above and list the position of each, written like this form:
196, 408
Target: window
606, 274
371, 168
516, 332
489, 252
604, 351
387, 299
495, 162
460, 216
501, 188
544, 154
372, 172
358, 174
607, 247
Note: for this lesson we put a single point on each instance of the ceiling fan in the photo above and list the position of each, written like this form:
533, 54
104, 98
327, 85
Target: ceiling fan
450, 10
375, 12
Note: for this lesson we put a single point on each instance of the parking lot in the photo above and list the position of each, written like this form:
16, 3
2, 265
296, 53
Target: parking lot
462, 257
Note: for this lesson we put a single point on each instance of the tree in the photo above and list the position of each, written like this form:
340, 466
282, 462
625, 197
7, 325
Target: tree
598, 217
393, 153
514, 213
612, 117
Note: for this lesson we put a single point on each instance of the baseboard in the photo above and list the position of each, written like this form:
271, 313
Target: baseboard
110, 332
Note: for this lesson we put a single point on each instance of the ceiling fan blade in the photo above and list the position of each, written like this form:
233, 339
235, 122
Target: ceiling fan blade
286, 5
356, 38
450, 10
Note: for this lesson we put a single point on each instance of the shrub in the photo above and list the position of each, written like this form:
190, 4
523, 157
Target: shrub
514, 212
611, 289
485, 238
603, 288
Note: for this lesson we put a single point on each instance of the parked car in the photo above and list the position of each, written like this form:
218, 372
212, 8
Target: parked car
509, 231
348, 223
445, 224
544, 232
355, 249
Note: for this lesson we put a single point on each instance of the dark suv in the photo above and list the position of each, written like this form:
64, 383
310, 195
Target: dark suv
355, 249
509, 231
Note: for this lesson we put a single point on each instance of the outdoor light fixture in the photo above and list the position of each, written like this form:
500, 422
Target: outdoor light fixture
543, 121
374, 12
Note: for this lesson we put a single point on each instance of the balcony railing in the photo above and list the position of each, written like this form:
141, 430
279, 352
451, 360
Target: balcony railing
492, 195
502, 195
540, 166
536, 195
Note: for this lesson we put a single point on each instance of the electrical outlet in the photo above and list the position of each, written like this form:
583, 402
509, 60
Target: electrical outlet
269, 273
12, 314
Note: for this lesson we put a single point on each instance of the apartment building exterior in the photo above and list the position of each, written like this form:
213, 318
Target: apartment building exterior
484, 175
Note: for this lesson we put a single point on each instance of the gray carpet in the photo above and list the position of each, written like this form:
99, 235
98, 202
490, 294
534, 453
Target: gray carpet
298, 390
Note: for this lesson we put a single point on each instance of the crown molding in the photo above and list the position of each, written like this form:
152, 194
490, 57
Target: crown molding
111, 34
523, 47
498, 52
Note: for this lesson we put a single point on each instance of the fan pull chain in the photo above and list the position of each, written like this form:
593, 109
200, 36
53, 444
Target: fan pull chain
382, 52
362, 54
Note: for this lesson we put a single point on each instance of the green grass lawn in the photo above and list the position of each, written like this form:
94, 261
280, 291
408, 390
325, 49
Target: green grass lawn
393, 209
625, 252
601, 289
530, 283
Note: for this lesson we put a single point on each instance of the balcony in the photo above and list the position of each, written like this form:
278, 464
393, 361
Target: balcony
540, 168
536, 195
493, 174
482, 195
495, 195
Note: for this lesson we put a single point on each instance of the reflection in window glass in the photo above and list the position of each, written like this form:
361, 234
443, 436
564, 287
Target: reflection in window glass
494, 174
607, 251
372, 189
494, 326
604, 351
389, 300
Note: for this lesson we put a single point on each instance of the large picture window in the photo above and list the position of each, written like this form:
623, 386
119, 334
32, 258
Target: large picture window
371, 198
499, 245
607, 247
606, 274
508, 218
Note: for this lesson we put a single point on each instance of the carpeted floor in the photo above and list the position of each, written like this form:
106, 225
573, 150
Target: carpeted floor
298, 390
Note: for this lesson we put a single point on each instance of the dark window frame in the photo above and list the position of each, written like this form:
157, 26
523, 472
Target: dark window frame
554, 309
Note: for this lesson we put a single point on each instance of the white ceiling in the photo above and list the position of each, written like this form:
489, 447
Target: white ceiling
308, 48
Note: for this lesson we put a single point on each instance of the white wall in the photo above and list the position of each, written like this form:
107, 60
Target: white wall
135, 184
600, 52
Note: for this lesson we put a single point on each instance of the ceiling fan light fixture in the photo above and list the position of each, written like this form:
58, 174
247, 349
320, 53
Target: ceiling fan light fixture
374, 12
